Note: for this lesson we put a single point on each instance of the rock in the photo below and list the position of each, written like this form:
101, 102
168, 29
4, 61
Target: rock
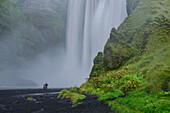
16, 102
98, 65
38, 102
39, 111
3, 107
116, 53
52, 97
131, 5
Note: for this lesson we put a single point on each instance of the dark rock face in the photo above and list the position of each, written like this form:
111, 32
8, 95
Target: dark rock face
99, 66
117, 51
131, 5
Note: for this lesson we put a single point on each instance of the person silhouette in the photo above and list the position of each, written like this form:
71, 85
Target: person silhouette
46, 85
43, 86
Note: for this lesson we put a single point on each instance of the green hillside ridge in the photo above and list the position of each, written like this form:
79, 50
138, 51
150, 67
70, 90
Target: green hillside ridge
141, 44
133, 72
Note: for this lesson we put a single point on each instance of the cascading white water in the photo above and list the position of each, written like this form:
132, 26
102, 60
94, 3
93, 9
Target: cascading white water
88, 27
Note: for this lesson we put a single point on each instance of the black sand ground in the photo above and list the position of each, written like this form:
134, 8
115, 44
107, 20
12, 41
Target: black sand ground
14, 101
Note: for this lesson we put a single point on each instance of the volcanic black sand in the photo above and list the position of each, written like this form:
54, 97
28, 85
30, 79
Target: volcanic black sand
16, 101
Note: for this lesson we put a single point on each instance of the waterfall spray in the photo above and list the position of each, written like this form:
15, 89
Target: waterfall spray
88, 26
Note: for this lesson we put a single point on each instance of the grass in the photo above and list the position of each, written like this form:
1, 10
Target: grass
73, 96
29, 99
137, 100
119, 108
142, 102
143, 42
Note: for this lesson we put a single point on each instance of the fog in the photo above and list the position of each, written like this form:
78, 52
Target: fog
32, 49
51, 68
66, 63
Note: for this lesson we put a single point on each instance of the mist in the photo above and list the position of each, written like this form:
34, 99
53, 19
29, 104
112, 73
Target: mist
56, 43
51, 68
33, 42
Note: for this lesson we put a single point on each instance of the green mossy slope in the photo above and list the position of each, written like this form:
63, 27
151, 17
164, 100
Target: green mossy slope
132, 74
135, 63
141, 44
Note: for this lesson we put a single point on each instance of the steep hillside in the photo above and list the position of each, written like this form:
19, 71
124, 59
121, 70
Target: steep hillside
135, 61
27, 29
140, 45
132, 75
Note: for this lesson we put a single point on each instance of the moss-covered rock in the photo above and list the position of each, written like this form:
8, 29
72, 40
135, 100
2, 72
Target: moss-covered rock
141, 43
117, 51
131, 5
98, 67
136, 60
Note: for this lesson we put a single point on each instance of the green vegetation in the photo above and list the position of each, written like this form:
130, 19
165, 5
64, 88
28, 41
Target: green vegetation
113, 85
29, 99
119, 108
28, 29
128, 93
131, 5
141, 45
132, 75
25, 32
10, 10
75, 97
143, 102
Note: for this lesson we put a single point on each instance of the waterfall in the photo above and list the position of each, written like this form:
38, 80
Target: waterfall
89, 23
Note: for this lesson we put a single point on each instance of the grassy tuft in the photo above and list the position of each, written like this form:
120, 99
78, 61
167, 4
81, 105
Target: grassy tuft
74, 97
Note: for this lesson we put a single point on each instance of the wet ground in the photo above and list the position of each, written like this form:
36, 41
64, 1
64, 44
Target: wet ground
39, 101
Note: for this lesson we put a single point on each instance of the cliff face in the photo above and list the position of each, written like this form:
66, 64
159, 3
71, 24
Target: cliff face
27, 29
141, 43
49, 18
131, 5
30, 27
